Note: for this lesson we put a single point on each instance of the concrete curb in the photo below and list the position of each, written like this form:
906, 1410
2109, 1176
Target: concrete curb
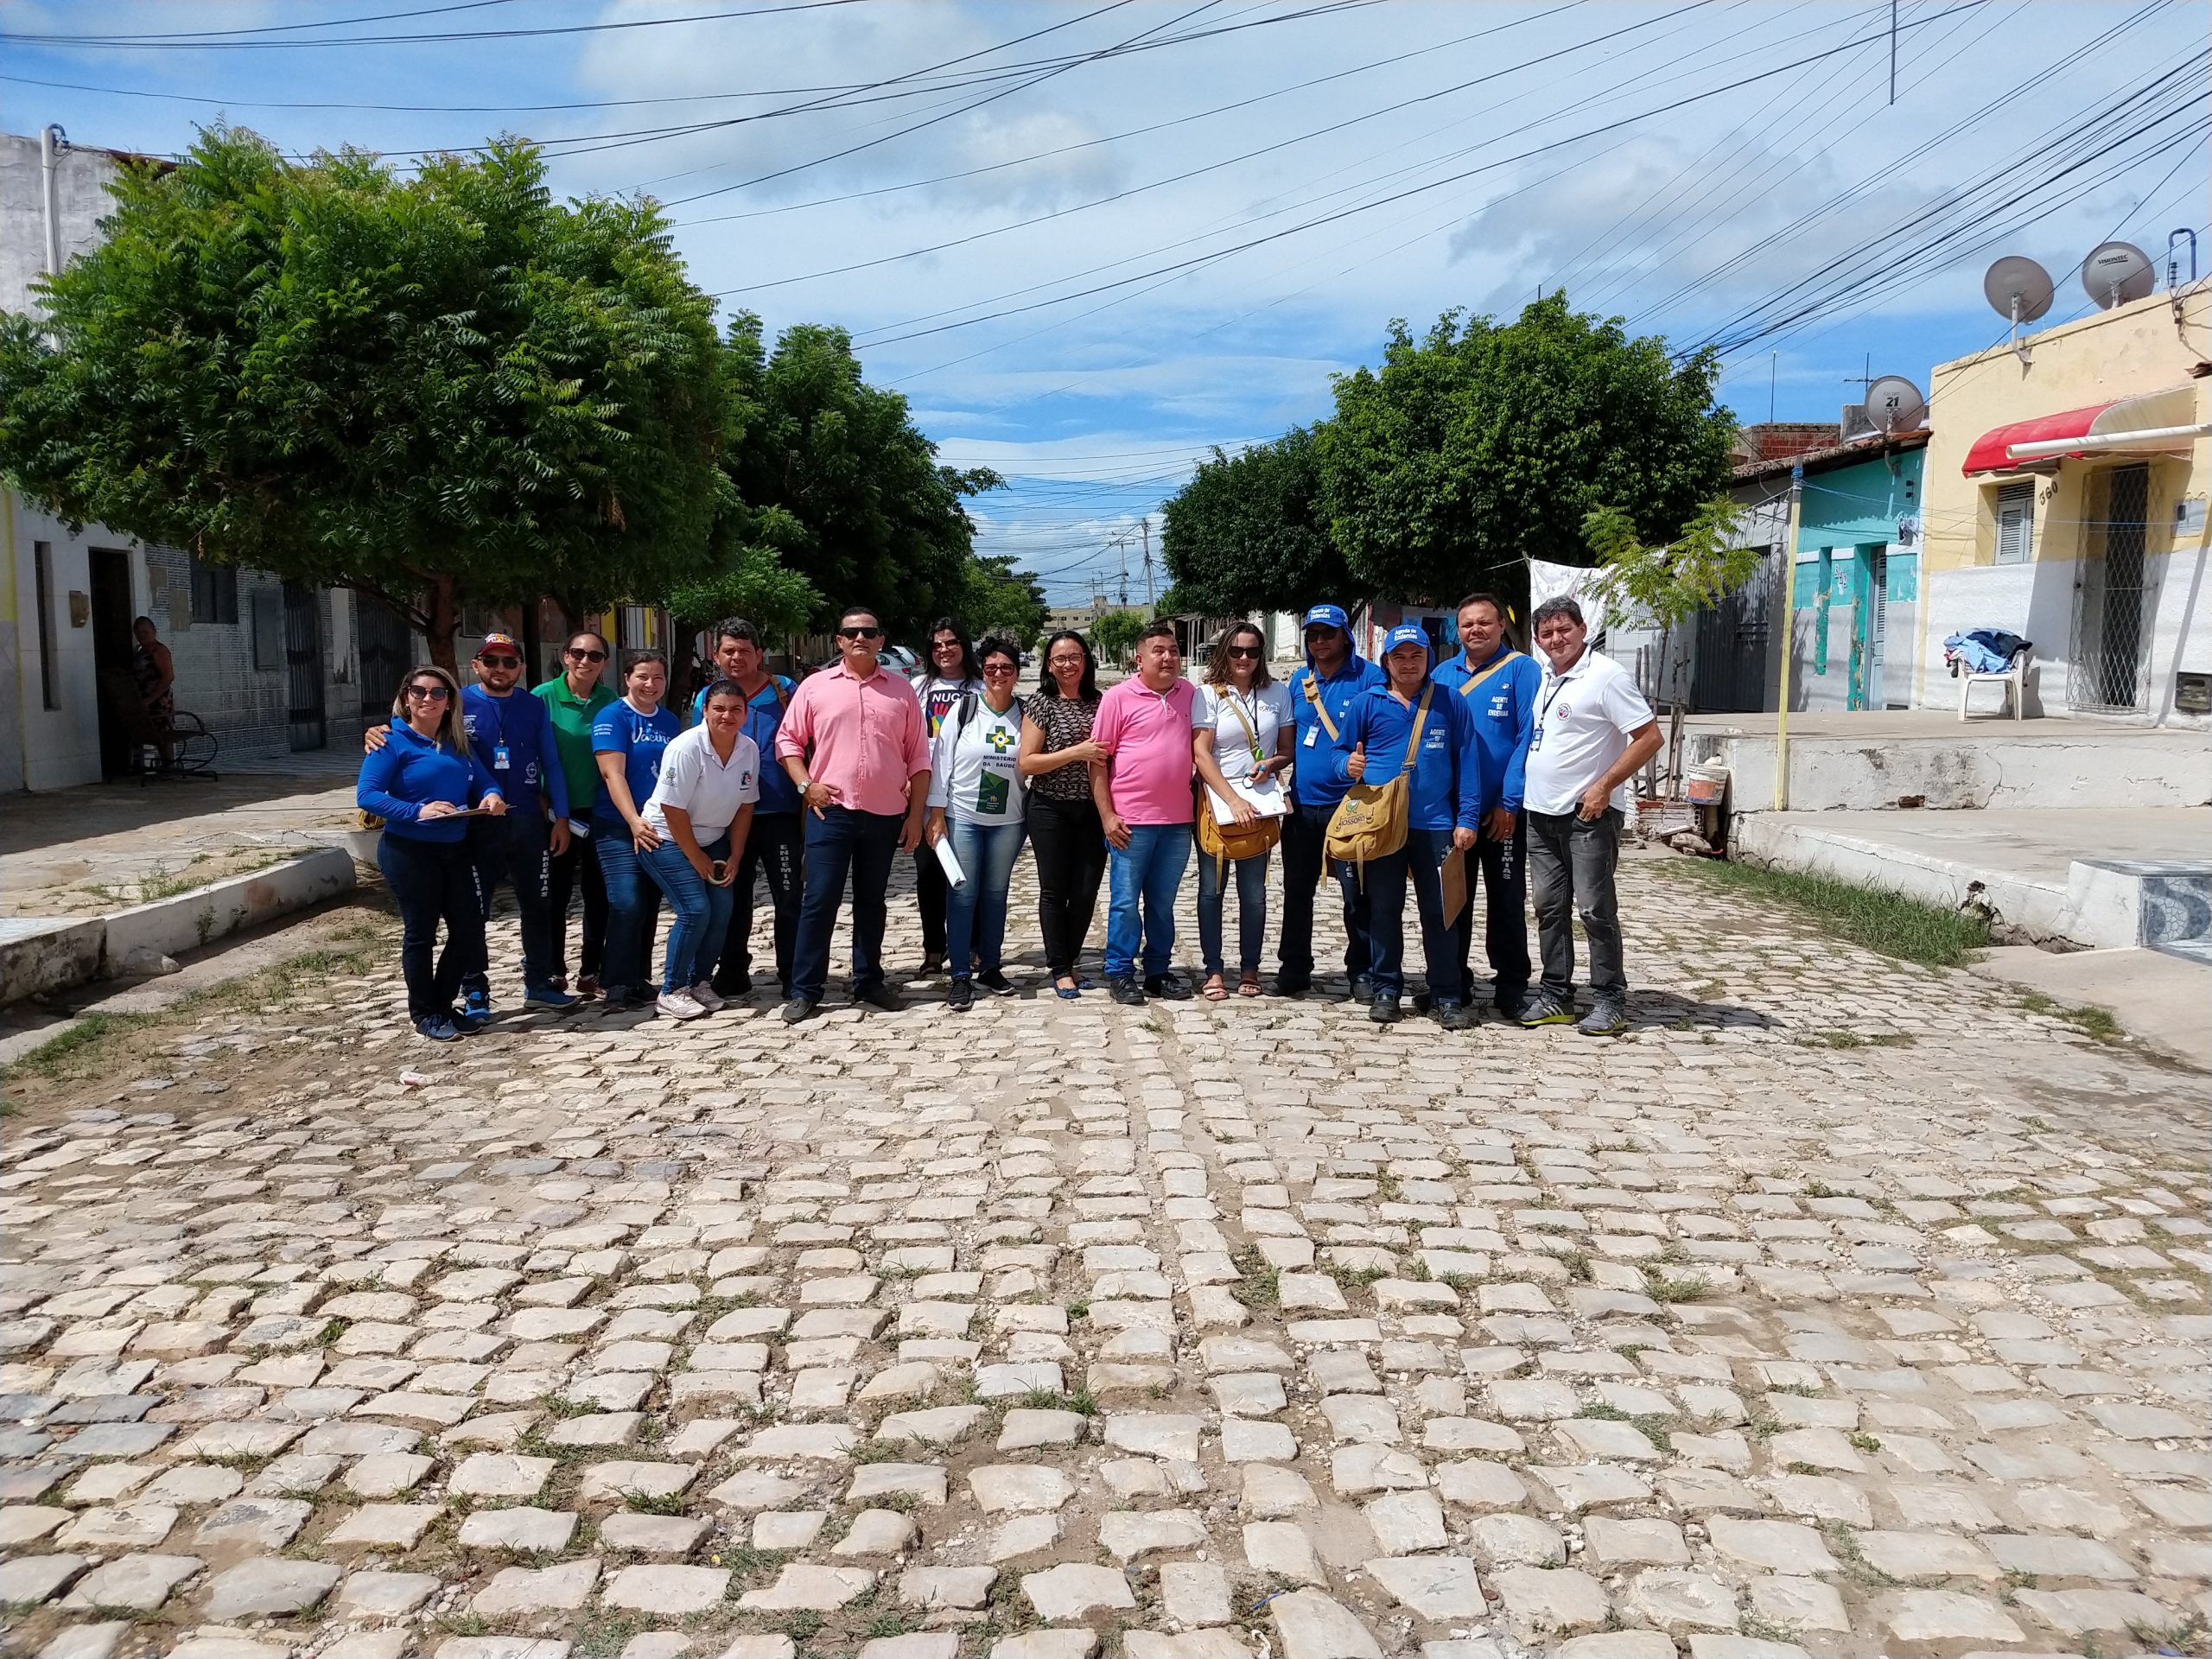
73, 952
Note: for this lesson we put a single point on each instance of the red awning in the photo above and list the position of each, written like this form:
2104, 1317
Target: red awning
1989, 453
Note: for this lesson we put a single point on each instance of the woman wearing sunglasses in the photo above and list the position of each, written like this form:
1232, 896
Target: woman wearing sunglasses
573, 698
975, 800
951, 676
628, 740
1242, 731
419, 782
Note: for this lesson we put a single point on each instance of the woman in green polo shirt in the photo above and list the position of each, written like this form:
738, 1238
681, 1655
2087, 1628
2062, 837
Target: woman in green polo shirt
576, 697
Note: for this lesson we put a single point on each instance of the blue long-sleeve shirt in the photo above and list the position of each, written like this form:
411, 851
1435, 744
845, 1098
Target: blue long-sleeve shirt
524, 725
411, 769
1503, 703
1447, 778
1315, 780
764, 718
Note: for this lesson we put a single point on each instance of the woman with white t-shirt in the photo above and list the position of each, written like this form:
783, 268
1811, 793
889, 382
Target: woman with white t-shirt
976, 802
1241, 732
701, 809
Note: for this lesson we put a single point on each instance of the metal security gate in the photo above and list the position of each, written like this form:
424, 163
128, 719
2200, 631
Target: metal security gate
1730, 674
2111, 599
304, 666
386, 653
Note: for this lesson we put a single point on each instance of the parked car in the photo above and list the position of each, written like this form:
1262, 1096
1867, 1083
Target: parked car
892, 659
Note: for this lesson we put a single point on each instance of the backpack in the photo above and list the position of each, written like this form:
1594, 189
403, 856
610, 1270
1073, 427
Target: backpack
1372, 819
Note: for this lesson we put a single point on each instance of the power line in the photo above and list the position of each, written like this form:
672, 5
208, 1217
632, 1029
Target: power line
207, 41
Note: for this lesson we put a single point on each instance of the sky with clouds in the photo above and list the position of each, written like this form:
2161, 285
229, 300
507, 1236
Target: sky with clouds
1091, 241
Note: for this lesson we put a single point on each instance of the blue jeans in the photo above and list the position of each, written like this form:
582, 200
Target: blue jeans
1420, 860
433, 882
1143, 876
1250, 875
633, 906
974, 911
695, 938
840, 842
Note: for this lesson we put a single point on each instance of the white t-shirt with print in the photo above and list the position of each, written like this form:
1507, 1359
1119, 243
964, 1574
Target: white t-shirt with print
1583, 721
1237, 719
694, 779
974, 765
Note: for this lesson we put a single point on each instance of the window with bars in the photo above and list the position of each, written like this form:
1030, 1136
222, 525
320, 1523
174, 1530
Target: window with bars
2015, 523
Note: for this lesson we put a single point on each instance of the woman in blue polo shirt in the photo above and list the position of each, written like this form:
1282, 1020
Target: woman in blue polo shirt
1444, 810
627, 740
419, 782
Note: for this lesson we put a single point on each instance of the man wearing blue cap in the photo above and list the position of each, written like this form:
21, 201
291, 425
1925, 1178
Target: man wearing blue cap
1410, 724
1321, 695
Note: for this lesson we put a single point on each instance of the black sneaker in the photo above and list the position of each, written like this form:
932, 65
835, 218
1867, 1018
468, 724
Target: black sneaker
880, 995
996, 982
1293, 985
732, 984
1383, 1010
1509, 1004
962, 996
1363, 989
1422, 1001
1173, 987
800, 1008
1453, 1016
1126, 991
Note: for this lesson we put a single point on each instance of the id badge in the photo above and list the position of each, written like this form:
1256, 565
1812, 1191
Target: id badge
499, 757
1311, 732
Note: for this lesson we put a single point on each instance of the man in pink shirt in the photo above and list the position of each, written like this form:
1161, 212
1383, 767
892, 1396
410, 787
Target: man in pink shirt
1143, 792
852, 740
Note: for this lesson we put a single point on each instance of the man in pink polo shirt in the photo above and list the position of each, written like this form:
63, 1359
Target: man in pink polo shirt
852, 740
1143, 792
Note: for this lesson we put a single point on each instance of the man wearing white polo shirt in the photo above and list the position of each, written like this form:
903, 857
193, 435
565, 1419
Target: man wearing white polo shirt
1593, 730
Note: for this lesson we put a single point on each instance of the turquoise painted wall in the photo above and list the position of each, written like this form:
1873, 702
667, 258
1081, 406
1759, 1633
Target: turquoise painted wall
1861, 503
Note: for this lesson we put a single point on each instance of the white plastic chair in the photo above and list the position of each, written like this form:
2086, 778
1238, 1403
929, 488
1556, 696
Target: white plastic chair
2014, 679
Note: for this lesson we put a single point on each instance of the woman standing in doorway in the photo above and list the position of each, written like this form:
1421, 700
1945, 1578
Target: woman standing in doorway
419, 782
1063, 820
575, 697
628, 740
952, 677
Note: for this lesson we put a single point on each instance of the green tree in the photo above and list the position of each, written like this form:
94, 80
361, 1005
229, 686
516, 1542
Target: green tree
1247, 533
443, 390
868, 516
1668, 582
1485, 443
1113, 633
1002, 600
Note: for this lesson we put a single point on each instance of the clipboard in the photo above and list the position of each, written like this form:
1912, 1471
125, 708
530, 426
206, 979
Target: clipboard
1453, 877
1269, 800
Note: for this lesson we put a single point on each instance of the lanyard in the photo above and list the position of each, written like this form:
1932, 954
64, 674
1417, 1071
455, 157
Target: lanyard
500, 715
1558, 684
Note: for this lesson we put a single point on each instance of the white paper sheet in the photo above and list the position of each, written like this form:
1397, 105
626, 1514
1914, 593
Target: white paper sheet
953, 875
1267, 799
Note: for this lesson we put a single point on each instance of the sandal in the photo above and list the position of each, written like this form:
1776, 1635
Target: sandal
1214, 991
1066, 989
1248, 985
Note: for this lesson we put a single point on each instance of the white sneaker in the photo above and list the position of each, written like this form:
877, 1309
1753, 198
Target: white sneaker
679, 1005
703, 995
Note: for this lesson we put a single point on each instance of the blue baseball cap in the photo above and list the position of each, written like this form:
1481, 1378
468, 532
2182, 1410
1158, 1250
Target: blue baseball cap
1326, 616
1405, 634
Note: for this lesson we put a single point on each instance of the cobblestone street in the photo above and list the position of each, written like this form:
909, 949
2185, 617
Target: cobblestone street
1844, 1306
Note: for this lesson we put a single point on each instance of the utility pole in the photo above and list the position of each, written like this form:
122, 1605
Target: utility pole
1151, 599
1124, 546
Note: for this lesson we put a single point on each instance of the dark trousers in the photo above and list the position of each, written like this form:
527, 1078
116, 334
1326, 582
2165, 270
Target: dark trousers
1250, 877
1571, 862
1070, 847
513, 848
1419, 863
841, 843
772, 853
1305, 837
565, 871
1502, 869
433, 882
930, 892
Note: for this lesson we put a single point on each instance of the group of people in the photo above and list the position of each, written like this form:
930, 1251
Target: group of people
1492, 769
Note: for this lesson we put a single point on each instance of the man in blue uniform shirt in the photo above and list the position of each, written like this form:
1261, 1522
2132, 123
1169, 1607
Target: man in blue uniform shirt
1320, 694
1498, 686
512, 732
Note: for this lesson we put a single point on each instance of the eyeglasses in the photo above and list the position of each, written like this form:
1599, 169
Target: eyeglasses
946, 645
430, 693
999, 668
585, 656
500, 662
860, 633
1245, 650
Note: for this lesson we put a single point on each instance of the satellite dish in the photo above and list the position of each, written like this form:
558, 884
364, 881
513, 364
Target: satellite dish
2018, 288
2116, 272
1894, 404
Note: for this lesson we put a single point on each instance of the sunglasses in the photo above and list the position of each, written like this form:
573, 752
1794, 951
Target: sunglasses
998, 667
1245, 650
585, 656
860, 633
430, 693
500, 662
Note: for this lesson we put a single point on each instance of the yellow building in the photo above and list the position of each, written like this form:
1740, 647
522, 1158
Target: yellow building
2065, 502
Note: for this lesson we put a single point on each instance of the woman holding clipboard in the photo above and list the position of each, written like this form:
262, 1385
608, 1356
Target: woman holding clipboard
1241, 739
426, 784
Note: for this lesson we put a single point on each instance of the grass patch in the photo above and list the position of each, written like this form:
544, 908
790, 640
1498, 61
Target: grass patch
2089, 1021
1081, 1401
654, 1503
1664, 1288
1885, 922
1262, 1286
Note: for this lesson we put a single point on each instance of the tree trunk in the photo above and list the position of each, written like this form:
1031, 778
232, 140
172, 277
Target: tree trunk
442, 606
